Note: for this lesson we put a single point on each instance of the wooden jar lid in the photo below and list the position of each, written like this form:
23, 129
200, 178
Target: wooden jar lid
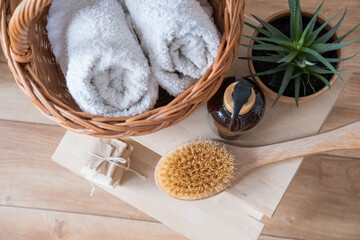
229, 103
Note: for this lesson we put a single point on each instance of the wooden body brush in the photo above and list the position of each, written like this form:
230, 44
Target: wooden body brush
203, 169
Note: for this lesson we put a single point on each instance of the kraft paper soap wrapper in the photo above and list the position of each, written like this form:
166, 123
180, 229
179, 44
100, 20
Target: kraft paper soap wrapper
80, 147
107, 173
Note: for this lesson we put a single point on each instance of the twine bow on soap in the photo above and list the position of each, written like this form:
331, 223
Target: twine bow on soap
117, 161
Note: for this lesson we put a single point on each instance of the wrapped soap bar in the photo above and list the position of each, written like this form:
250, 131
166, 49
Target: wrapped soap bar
108, 159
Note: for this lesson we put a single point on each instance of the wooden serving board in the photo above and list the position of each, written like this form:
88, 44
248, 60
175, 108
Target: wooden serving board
236, 213
213, 218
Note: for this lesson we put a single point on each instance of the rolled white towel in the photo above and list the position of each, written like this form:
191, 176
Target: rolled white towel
179, 39
60, 16
105, 69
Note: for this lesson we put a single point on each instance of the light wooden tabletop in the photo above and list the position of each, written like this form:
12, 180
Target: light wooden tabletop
41, 200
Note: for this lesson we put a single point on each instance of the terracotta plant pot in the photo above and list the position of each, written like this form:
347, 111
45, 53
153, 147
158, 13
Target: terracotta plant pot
286, 99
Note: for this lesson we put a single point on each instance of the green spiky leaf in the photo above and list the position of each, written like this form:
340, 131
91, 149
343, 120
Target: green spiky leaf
297, 75
295, 20
311, 29
289, 57
297, 90
324, 80
285, 82
309, 82
279, 68
323, 61
304, 87
272, 40
260, 30
336, 60
273, 59
312, 87
312, 21
327, 36
266, 47
319, 70
326, 47
277, 33
346, 34
309, 40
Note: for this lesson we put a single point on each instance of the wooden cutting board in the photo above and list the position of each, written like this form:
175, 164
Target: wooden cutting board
236, 213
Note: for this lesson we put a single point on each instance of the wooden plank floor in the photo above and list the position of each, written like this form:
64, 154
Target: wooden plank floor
41, 200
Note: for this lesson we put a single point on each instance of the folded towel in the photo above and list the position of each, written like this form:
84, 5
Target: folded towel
105, 69
179, 39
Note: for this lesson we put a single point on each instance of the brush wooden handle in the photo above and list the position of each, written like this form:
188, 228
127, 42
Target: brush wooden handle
346, 137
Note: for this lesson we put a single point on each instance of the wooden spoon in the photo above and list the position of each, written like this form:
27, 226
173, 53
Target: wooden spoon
248, 159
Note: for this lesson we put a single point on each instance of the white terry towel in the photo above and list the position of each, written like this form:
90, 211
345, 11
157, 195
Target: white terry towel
179, 39
106, 71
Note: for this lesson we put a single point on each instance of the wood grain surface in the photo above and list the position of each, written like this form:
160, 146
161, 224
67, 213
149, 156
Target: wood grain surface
24, 223
39, 199
269, 237
323, 200
26, 148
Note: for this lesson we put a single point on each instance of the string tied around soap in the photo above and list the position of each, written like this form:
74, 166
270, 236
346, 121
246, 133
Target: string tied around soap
117, 161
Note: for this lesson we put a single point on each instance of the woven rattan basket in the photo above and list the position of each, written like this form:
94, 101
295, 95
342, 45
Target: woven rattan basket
27, 48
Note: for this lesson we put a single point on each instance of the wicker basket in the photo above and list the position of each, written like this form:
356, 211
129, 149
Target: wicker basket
27, 48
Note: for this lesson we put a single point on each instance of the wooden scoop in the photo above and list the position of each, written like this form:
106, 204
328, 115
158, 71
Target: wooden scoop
248, 159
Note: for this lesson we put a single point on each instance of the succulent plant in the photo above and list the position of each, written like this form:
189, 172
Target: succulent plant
299, 55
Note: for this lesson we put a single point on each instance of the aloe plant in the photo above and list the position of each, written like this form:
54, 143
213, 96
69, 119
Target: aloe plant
299, 55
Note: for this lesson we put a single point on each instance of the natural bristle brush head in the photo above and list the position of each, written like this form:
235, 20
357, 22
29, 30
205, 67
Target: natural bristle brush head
195, 171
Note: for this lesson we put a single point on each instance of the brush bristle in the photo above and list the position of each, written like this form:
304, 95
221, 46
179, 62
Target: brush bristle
196, 170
